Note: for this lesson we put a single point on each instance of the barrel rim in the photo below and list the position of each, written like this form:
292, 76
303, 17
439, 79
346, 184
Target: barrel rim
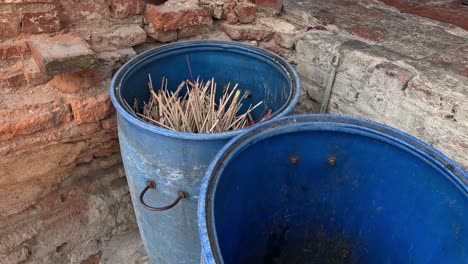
209, 242
121, 73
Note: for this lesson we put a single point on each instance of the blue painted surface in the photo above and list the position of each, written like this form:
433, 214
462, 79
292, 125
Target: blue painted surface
176, 160
389, 198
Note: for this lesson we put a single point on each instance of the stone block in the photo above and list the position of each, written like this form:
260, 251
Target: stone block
62, 53
247, 32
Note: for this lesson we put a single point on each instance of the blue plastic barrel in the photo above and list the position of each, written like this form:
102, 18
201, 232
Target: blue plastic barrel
165, 168
330, 189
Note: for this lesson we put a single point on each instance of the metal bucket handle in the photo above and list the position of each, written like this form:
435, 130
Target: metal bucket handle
181, 194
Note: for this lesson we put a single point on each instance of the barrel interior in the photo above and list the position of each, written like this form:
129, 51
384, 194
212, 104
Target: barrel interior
254, 70
335, 197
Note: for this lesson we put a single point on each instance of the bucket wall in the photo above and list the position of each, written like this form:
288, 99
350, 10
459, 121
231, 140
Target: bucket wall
177, 161
330, 189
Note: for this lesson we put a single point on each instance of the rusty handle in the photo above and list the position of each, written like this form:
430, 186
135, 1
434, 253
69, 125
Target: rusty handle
181, 194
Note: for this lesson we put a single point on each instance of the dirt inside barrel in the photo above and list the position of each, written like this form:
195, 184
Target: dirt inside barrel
319, 246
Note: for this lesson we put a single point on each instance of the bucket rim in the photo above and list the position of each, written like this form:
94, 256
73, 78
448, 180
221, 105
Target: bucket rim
122, 110
209, 242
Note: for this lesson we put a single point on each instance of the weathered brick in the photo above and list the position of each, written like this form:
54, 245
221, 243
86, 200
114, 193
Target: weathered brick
63, 133
78, 11
91, 108
62, 53
118, 38
13, 49
229, 13
33, 74
246, 12
127, 8
214, 8
451, 12
285, 33
30, 118
276, 5
193, 31
77, 81
9, 25
114, 59
271, 46
160, 35
12, 77
247, 32
41, 22
172, 16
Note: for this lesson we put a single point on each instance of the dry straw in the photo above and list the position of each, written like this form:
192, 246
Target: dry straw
197, 110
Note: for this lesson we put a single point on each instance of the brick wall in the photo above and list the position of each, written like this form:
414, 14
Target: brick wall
62, 185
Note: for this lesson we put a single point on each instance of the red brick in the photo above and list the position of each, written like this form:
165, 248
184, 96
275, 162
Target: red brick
14, 49
9, 25
12, 77
77, 81
245, 12
91, 108
62, 53
368, 33
30, 119
93, 259
127, 8
229, 13
34, 76
277, 5
168, 16
271, 46
41, 22
247, 32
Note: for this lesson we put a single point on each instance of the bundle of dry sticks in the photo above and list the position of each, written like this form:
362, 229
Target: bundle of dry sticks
197, 110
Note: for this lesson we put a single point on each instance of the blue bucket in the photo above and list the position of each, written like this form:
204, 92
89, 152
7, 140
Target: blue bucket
331, 189
165, 168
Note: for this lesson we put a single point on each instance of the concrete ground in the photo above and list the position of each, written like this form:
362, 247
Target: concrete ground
429, 35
